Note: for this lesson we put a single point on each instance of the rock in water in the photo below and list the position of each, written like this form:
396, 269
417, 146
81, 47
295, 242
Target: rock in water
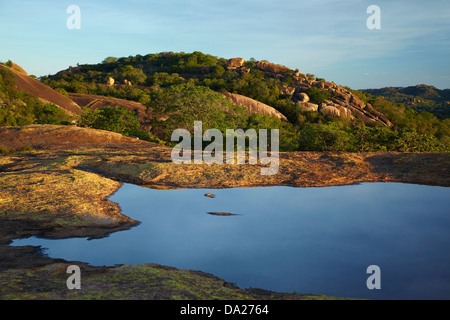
211, 195
222, 214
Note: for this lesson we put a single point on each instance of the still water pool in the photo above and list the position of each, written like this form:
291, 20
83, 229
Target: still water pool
308, 240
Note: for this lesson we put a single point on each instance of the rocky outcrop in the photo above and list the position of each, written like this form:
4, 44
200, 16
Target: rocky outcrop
235, 63
329, 110
110, 81
378, 114
289, 91
342, 102
307, 106
19, 69
346, 113
271, 67
210, 195
302, 97
126, 82
254, 106
222, 213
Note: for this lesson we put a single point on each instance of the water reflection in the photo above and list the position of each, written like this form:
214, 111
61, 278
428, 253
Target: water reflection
310, 240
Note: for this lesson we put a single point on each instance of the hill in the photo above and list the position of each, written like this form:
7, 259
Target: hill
288, 91
315, 114
420, 98
150, 96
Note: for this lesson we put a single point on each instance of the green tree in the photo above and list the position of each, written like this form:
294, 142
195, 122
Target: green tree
130, 73
186, 103
329, 137
108, 118
51, 114
317, 96
368, 139
109, 60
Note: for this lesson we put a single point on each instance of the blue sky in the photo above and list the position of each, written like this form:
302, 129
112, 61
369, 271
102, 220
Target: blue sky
327, 38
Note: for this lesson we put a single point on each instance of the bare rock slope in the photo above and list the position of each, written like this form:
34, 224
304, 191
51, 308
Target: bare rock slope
254, 106
46, 94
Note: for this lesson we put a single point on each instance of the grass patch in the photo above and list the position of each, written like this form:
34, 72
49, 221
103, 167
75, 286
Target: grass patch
11, 150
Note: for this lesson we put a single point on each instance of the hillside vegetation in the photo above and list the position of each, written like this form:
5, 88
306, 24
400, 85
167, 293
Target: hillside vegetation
420, 98
178, 88
18, 108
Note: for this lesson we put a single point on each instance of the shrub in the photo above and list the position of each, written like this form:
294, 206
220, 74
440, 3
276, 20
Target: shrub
329, 137
317, 96
51, 114
108, 118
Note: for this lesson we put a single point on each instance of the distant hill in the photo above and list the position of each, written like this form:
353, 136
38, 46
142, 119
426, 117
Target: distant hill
311, 113
420, 98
